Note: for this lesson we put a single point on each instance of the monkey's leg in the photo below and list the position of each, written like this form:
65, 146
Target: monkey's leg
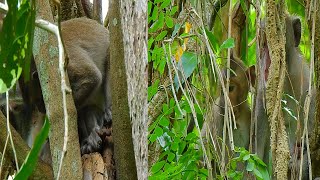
93, 120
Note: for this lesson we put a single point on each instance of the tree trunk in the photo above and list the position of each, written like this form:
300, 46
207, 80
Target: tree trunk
276, 42
315, 136
128, 29
46, 59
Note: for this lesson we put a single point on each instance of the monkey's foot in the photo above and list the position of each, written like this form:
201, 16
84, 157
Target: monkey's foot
93, 143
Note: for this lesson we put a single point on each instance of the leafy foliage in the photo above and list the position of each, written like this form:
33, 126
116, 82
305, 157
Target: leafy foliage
181, 156
253, 163
176, 41
16, 42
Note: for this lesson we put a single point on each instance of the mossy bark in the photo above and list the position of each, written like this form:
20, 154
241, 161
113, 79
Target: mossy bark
275, 33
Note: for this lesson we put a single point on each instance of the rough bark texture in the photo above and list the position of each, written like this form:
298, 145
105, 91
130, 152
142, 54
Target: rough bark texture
135, 27
46, 59
42, 170
275, 33
93, 167
97, 10
315, 137
71, 9
128, 29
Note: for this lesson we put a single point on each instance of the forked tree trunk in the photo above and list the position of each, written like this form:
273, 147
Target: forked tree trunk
47, 67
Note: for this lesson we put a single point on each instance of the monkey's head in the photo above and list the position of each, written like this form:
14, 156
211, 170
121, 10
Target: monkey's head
293, 32
239, 85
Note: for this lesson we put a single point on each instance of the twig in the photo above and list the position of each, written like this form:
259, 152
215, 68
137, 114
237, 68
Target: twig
10, 134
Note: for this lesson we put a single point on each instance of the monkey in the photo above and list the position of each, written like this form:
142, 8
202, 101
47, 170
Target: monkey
295, 85
87, 46
27, 120
240, 79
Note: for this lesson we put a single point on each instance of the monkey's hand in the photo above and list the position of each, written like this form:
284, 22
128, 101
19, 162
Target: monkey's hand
93, 143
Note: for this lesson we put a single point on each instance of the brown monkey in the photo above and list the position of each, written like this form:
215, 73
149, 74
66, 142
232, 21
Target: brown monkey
87, 45
28, 121
238, 92
296, 85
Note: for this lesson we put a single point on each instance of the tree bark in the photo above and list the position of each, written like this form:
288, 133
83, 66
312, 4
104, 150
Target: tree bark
276, 42
46, 59
97, 10
315, 136
128, 29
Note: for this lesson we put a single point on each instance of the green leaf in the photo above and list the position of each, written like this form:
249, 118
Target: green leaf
182, 146
257, 173
174, 146
153, 89
173, 10
157, 166
150, 42
161, 35
169, 22
213, 40
149, 8
158, 131
153, 137
155, 13
176, 29
16, 41
164, 122
157, 1
264, 172
162, 65
165, 4
165, 108
189, 63
250, 166
31, 160
191, 136
229, 43
171, 156
246, 157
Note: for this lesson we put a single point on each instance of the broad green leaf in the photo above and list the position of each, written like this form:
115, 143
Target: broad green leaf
171, 156
158, 131
155, 13
257, 173
173, 10
31, 160
191, 136
16, 41
165, 108
187, 65
176, 29
174, 146
153, 137
250, 166
150, 42
165, 4
229, 43
246, 157
149, 8
213, 40
263, 171
164, 122
153, 89
169, 22
161, 35
157, 166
